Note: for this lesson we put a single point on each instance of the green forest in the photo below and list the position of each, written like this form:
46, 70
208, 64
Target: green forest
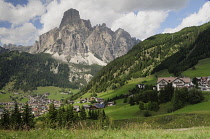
29, 71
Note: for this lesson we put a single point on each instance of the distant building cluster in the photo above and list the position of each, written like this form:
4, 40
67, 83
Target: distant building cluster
203, 83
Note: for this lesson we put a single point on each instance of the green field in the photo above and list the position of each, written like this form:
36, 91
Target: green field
55, 93
201, 69
131, 132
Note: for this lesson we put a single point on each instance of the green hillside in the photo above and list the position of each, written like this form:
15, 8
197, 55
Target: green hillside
199, 70
175, 52
28, 71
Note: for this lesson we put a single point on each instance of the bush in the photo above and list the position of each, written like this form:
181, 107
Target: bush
147, 113
195, 96
141, 105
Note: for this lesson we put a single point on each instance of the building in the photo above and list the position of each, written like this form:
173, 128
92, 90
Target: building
175, 81
141, 86
203, 83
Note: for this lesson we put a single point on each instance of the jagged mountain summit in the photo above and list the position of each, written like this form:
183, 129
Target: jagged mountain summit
20, 48
76, 41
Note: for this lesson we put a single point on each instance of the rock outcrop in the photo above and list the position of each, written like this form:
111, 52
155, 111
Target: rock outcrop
76, 41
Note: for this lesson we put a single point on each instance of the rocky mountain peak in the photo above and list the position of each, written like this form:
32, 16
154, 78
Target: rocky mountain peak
71, 16
76, 41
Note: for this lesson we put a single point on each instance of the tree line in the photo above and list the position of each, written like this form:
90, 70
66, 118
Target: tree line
15, 120
67, 116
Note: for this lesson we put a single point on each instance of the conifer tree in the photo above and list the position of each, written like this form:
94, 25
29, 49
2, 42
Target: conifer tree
16, 118
83, 113
51, 117
5, 120
28, 118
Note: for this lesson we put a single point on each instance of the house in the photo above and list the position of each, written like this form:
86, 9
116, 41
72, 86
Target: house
86, 106
175, 81
204, 83
141, 86
83, 100
99, 106
70, 102
100, 100
92, 98
110, 104
76, 108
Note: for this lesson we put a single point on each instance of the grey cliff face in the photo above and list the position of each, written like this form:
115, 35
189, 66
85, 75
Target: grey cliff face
76, 41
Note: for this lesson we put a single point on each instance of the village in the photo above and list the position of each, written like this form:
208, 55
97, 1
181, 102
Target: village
40, 103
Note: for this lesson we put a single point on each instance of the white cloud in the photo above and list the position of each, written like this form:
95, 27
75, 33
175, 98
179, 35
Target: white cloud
142, 25
22, 35
195, 19
21, 13
116, 14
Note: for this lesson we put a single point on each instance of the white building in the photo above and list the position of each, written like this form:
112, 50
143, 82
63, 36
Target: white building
176, 82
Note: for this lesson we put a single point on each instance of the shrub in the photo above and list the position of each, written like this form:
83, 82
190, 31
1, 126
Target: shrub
141, 105
147, 113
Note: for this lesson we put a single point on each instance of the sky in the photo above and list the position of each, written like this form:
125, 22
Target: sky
22, 21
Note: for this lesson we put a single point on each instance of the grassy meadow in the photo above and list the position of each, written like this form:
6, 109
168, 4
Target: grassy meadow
55, 93
201, 69
130, 132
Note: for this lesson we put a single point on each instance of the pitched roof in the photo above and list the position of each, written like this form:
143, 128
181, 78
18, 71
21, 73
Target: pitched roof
99, 106
168, 79
171, 79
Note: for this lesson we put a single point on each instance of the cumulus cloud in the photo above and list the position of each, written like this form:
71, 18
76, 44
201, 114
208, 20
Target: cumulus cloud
195, 19
22, 35
141, 25
21, 13
139, 17
116, 14
131, 5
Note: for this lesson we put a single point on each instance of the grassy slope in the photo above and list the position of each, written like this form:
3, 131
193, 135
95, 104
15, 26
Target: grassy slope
119, 111
201, 69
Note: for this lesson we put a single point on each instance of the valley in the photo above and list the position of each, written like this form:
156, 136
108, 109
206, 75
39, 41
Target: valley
84, 81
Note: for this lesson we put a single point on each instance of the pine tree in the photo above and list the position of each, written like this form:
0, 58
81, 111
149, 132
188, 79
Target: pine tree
83, 113
69, 116
28, 118
5, 120
16, 118
51, 117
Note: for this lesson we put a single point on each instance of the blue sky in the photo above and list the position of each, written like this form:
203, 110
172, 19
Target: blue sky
22, 21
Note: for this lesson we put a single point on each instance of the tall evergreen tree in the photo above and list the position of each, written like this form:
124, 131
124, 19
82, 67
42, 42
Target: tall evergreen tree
166, 94
69, 116
5, 120
16, 118
51, 117
83, 113
28, 118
